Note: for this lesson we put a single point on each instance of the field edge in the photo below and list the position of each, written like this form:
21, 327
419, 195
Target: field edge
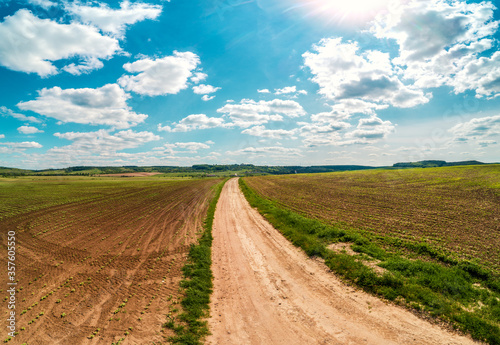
190, 326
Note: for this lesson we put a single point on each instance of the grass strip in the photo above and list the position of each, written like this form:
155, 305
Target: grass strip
197, 283
461, 293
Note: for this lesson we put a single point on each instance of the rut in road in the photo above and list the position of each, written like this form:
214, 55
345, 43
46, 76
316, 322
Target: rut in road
266, 291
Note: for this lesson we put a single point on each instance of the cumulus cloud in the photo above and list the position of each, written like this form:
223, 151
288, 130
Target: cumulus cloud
207, 98
266, 151
28, 130
319, 134
2, 136
11, 147
370, 130
481, 75
102, 106
167, 75
43, 3
344, 109
249, 112
440, 41
203, 89
343, 73
338, 133
194, 122
198, 77
4, 111
193, 147
113, 21
30, 44
482, 129
103, 141
263, 91
289, 90
261, 131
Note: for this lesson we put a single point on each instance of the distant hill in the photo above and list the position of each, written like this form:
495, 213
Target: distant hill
195, 170
434, 163
208, 170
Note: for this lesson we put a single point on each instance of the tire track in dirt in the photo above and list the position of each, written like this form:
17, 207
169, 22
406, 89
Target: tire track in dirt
266, 291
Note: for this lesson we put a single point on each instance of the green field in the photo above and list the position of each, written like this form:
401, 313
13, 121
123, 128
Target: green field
428, 239
453, 209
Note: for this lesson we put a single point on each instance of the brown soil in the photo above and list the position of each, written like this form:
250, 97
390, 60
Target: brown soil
266, 291
112, 263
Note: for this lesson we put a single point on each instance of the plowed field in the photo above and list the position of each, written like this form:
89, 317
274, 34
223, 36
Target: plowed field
98, 259
455, 209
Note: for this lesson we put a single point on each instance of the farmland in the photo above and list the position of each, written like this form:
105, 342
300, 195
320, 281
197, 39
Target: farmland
453, 209
426, 239
99, 260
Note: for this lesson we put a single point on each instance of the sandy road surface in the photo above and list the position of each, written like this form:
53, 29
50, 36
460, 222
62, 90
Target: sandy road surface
266, 291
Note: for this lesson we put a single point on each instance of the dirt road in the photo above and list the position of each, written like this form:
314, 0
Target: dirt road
266, 291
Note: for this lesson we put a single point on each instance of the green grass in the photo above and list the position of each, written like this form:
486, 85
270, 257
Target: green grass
461, 293
191, 327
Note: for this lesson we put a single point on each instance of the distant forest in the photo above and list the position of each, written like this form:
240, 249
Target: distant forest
207, 170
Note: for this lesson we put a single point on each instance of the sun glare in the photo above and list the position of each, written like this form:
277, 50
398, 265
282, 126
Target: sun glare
344, 11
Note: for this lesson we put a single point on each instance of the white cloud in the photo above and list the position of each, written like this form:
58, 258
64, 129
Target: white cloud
4, 111
266, 151
319, 134
207, 98
263, 91
90, 64
342, 73
21, 146
198, 77
482, 129
261, 131
2, 136
167, 75
481, 75
43, 3
335, 132
370, 130
344, 109
440, 41
288, 90
114, 21
316, 129
203, 89
249, 112
102, 106
193, 147
194, 122
486, 143
30, 44
28, 130
102, 141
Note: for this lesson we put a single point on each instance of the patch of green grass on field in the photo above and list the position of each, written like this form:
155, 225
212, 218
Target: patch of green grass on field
197, 283
462, 293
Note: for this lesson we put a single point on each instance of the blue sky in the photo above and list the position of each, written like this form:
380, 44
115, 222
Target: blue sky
277, 82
